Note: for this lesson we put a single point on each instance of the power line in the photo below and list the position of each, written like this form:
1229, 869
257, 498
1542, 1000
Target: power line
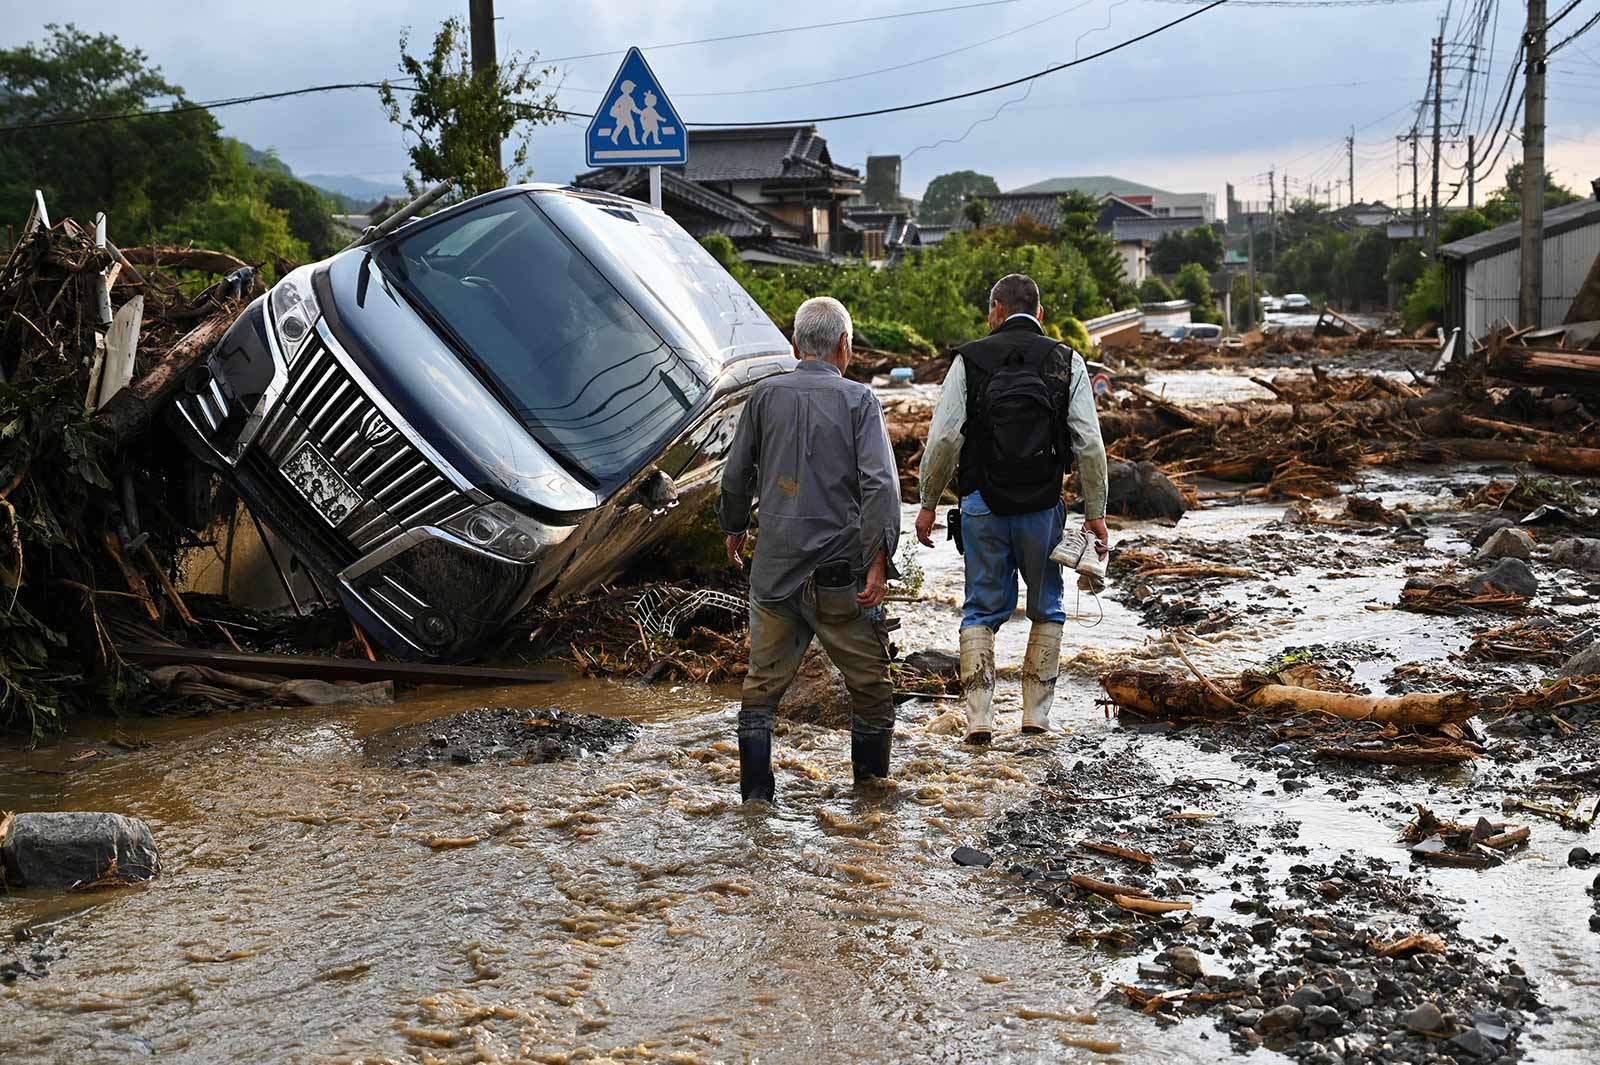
899, 108
1306, 3
870, 73
791, 29
896, 109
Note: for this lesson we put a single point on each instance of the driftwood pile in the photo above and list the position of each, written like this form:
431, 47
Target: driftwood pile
97, 498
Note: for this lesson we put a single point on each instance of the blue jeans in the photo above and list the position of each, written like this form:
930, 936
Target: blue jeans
997, 549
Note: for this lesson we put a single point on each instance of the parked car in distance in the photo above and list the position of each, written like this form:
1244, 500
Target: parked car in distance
1205, 332
1295, 301
1270, 304
494, 402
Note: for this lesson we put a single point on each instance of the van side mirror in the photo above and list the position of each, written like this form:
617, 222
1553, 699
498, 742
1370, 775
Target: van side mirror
657, 491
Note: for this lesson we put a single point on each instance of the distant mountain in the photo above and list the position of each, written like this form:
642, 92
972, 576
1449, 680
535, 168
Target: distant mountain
363, 192
1097, 185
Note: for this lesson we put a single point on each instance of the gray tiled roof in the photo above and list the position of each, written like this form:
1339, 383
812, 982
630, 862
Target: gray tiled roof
731, 217
1006, 208
775, 153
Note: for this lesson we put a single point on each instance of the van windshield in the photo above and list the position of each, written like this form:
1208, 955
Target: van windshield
592, 381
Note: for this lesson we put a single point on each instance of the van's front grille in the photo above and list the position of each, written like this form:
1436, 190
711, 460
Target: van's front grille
346, 458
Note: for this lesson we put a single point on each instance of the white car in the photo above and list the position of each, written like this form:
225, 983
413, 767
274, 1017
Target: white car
1296, 301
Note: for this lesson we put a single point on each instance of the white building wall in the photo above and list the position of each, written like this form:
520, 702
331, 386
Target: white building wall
1135, 261
1494, 284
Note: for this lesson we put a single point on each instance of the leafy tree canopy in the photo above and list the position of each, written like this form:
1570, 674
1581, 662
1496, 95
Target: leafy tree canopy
457, 120
947, 192
1175, 249
1505, 203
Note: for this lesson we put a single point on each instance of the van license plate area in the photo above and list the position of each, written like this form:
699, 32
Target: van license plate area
315, 478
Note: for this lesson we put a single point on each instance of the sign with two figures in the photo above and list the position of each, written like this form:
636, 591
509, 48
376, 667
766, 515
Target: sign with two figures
636, 125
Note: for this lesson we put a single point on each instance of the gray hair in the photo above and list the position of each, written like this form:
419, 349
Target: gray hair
817, 325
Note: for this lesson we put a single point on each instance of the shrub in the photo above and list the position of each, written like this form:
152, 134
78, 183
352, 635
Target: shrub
893, 336
1155, 290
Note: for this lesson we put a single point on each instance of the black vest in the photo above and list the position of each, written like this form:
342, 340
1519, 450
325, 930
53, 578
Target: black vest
982, 358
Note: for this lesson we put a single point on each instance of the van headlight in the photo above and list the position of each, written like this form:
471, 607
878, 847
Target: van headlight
501, 530
294, 311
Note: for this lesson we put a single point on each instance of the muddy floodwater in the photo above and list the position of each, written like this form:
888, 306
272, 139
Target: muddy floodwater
319, 905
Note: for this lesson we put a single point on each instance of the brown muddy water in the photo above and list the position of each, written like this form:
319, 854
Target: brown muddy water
625, 908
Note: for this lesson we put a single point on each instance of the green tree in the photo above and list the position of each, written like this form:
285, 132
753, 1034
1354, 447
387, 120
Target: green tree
1194, 284
1246, 306
457, 120
947, 192
1504, 204
141, 171
975, 211
1155, 290
1424, 303
1370, 262
1466, 224
309, 212
1079, 214
1198, 245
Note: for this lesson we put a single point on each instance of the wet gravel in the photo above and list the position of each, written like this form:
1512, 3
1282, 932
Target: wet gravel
510, 735
27, 953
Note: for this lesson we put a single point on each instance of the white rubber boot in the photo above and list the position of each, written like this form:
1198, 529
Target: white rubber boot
1040, 667
977, 681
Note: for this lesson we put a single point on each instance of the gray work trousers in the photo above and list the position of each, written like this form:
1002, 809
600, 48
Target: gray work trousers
780, 632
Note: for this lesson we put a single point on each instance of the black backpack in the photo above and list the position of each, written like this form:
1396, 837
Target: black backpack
1022, 446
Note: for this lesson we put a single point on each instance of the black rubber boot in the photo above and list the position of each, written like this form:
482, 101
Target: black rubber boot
869, 754
755, 767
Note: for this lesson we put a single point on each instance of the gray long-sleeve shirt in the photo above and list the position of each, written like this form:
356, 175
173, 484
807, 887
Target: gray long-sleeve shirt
813, 448
943, 452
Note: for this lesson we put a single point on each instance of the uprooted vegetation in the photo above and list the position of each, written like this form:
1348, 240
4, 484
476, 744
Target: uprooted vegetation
97, 499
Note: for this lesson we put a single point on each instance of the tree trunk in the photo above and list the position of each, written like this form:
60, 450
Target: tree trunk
131, 409
1159, 695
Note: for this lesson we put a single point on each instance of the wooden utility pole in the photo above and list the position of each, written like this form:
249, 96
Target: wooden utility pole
483, 55
1472, 171
1250, 305
1532, 251
1438, 100
1272, 213
1416, 199
1350, 155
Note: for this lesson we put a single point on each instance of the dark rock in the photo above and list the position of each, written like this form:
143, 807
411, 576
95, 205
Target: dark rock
1306, 997
499, 734
1141, 490
1472, 1041
1280, 1020
817, 695
1359, 999
1583, 664
933, 661
1248, 1018
48, 852
1488, 529
1507, 575
1580, 857
971, 856
1325, 1017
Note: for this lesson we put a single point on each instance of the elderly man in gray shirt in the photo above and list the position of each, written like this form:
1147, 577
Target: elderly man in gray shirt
812, 447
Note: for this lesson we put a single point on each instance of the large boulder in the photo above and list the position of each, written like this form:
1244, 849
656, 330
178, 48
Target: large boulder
1586, 663
1507, 543
1506, 575
1141, 490
47, 852
1579, 552
817, 695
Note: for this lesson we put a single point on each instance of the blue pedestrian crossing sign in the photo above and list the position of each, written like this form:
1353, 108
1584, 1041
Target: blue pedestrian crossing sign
635, 124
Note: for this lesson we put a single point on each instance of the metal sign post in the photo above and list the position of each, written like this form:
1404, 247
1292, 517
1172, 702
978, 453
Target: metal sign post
636, 125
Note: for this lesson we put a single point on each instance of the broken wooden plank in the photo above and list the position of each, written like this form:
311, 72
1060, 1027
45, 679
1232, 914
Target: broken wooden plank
1106, 887
122, 346
1125, 853
316, 668
1155, 907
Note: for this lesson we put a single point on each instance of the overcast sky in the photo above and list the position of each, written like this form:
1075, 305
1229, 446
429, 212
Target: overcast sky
1221, 98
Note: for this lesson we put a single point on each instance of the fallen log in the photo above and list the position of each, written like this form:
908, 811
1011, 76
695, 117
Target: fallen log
1105, 887
1582, 460
174, 258
1156, 421
131, 409
1135, 904
1159, 695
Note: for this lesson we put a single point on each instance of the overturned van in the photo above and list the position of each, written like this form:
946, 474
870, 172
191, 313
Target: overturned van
492, 403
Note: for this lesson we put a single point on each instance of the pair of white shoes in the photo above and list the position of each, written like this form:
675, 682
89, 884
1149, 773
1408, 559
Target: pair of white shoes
1081, 553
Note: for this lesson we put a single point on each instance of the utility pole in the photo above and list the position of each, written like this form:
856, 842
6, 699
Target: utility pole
1533, 171
1350, 154
1250, 306
1438, 101
1272, 212
1472, 171
1416, 201
481, 13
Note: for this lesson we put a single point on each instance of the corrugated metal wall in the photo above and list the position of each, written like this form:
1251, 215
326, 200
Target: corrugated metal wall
1492, 284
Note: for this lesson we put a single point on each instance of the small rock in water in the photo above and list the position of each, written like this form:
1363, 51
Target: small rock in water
1580, 553
1141, 490
1507, 575
1425, 1018
53, 851
933, 661
1507, 543
1488, 529
1185, 961
1580, 856
971, 856
1280, 1019
1472, 1041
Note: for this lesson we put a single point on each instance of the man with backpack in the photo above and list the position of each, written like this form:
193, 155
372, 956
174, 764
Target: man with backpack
1015, 405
